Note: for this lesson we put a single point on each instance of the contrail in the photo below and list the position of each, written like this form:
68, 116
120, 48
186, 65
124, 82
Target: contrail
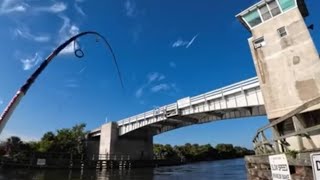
194, 38
82, 70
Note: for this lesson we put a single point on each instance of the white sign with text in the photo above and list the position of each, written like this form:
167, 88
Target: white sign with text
41, 162
279, 167
315, 160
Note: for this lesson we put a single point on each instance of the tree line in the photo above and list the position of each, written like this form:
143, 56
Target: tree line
195, 152
66, 140
72, 141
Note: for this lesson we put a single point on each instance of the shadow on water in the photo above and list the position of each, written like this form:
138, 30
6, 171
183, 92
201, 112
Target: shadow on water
32, 174
224, 169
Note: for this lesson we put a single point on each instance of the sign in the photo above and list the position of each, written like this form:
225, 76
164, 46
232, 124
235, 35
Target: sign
41, 162
279, 167
315, 161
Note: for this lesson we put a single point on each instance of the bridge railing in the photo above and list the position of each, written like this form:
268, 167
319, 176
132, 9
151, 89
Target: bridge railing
218, 93
264, 145
225, 91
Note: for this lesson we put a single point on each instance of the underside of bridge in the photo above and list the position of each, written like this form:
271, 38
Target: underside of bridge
133, 136
138, 144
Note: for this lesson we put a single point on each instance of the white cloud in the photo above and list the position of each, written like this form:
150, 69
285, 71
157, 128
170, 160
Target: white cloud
160, 87
130, 8
65, 25
57, 7
66, 31
152, 78
11, 6
183, 43
179, 43
161, 77
71, 83
7, 133
79, 9
172, 64
70, 48
24, 33
155, 76
30, 62
169, 88
139, 92
74, 30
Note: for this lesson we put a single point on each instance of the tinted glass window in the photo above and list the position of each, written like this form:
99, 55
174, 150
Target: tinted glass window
282, 32
265, 12
253, 18
274, 8
286, 4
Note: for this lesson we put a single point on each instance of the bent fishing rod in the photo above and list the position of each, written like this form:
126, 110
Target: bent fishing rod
5, 116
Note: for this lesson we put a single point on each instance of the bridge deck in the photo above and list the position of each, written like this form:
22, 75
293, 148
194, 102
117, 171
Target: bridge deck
242, 99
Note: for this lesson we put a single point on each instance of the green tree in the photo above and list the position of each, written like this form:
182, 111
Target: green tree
47, 142
66, 140
226, 151
13, 145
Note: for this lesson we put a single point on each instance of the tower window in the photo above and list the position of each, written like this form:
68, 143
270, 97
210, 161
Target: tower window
258, 43
274, 8
253, 18
282, 31
286, 4
265, 13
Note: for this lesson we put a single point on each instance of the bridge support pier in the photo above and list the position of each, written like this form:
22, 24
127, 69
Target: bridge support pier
137, 145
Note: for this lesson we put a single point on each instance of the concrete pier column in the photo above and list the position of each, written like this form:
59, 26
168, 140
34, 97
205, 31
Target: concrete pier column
138, 145
108, 138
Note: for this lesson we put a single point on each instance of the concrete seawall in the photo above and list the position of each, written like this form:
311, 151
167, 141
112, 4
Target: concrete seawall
258, 167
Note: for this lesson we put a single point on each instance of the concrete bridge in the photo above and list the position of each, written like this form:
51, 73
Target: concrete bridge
288, 75
242, 99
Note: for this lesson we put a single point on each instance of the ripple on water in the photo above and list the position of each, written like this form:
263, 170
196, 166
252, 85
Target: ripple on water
214, 170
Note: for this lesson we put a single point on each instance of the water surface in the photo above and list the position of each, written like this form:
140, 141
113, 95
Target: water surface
215, 170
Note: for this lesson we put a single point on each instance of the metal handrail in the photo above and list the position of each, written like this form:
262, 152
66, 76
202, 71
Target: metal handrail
225, 91
280, 140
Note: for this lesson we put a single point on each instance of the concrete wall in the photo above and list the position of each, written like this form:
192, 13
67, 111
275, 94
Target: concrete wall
92, 147
258, 167
108, 138
137, 144
288, 67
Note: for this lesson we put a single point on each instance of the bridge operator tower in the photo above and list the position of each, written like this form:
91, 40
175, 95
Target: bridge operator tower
287, 63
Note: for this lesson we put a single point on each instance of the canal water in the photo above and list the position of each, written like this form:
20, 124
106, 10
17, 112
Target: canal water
214, 170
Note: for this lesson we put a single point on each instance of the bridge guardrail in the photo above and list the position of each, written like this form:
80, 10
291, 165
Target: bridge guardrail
218, 93
262, 145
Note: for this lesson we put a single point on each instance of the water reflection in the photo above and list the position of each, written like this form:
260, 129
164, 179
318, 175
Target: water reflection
226, 170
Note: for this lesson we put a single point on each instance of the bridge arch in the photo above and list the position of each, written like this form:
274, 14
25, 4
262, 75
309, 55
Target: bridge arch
134, 135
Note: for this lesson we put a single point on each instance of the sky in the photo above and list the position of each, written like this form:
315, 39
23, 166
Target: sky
166, 50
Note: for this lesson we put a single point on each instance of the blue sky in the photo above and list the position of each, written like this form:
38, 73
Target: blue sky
166, 50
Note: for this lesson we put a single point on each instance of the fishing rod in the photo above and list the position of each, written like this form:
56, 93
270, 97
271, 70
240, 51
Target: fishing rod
5, 116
